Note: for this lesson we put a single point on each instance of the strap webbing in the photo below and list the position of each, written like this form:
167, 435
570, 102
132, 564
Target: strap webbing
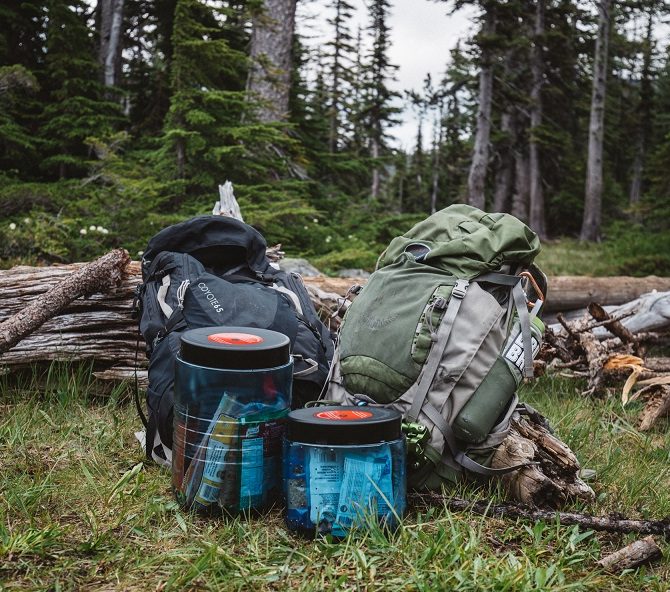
162, 293
498, 278
138, 405
459, 455
524, 323
419, 390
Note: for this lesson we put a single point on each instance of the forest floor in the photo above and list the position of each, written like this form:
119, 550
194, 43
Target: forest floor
79, 509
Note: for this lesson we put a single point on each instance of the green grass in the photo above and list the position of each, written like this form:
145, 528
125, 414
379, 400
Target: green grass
625, 251
80, 509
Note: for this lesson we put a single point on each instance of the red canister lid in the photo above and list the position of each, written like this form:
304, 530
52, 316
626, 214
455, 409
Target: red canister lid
235, 348
342, 425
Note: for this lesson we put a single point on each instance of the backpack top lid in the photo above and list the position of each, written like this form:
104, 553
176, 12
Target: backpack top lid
464, 241
201, 234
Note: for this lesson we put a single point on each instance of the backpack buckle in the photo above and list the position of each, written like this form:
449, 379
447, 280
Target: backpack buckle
460, 289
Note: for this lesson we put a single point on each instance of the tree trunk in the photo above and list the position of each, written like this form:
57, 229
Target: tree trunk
645, 112
594, 168
521, 193
504, 174
270, 71
335, 92
374, 189
109, 56
437, 153
480, 153
536, 213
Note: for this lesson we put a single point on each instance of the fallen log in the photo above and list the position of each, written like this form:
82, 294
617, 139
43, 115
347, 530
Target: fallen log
612, 523
69, 335
99, 276
576, 292
632, 556
98, 328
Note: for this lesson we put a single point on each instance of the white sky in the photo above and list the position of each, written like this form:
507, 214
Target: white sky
422, 33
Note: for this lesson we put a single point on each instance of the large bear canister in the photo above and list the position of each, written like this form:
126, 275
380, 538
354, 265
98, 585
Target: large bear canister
344, 467
232, 396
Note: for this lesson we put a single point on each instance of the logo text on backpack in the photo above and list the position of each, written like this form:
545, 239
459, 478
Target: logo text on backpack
212, 299
514, 352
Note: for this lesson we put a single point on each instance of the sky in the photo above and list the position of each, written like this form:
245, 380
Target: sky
422, 34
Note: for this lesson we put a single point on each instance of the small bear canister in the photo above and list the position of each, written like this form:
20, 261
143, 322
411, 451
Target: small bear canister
232, 396
343, 467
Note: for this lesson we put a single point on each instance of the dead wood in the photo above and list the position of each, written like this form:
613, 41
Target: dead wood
576, 292
596, 356
612, 523
657, 406
637, 553
554, 478
658, 364
613, 325
101, 275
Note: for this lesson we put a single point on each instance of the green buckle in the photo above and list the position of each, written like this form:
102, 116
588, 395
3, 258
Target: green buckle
417, 436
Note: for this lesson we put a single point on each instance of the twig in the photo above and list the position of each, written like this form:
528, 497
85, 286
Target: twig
612, 523
561, 319
613, 325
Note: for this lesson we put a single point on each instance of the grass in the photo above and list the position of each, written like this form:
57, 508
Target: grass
80, 509
624, 252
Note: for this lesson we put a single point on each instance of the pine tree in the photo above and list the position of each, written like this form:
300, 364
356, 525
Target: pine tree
536, 216
379, 112
480, 152
74, 106
17, 144
148, 50
206, 102
22, 29
646, 103
341, 49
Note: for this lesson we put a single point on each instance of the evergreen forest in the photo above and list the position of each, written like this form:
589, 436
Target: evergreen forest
118, 117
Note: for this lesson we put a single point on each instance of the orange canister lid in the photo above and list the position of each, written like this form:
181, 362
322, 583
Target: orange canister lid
235, 348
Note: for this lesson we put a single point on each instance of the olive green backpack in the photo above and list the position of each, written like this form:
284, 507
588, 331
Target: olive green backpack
442, 331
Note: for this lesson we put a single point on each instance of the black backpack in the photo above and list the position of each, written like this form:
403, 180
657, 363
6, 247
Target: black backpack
213, 270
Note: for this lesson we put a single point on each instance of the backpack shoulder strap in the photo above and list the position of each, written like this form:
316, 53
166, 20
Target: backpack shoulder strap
419, 390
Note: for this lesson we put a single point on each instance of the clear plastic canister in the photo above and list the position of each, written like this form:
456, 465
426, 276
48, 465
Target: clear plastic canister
229, 421
344, 468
